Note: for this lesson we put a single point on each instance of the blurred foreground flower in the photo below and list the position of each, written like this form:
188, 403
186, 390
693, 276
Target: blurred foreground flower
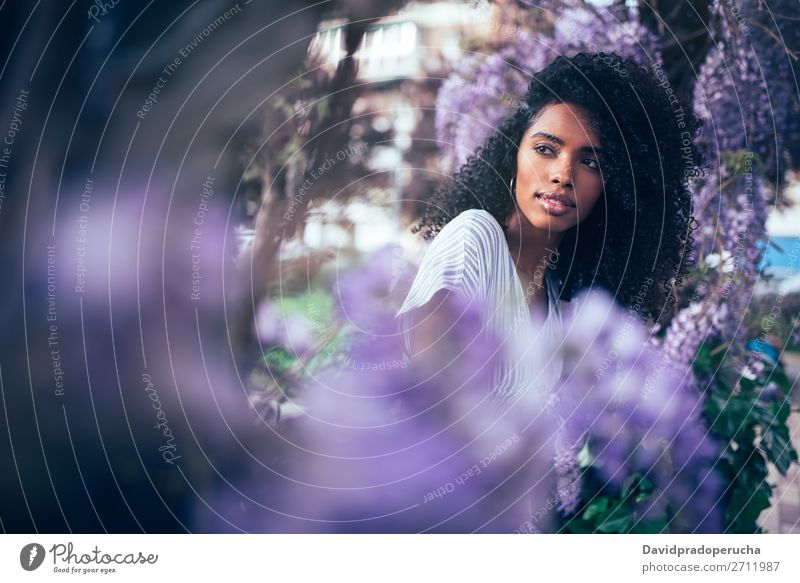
391, 447
295, 332
648, 458
389, 444
384, 446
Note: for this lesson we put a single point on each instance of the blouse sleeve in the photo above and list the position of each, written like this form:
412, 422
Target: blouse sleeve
448, 263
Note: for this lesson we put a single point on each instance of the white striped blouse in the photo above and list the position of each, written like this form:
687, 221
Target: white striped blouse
470, 255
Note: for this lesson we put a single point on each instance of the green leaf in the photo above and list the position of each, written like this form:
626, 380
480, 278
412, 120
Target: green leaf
649, 527
576, 525
646, 489
748, 462
784, 410
778, 448
728, 415
278, 359
620, 524
703, 362
746, 506
619, 520
629, 483
713, 409
747, 385
597, 507
780, 379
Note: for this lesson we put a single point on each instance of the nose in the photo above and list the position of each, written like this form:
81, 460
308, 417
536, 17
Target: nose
562, 173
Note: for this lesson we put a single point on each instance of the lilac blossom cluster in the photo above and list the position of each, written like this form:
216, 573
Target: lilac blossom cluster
294, 332
595, 30
638, 415
483, 89
387, 448
745, 87
731, 205
382, 448
480, 93
742, 97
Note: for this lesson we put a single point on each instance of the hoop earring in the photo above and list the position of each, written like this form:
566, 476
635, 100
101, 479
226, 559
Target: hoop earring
511, 187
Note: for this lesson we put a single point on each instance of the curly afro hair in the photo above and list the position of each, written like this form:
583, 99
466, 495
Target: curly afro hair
636, 241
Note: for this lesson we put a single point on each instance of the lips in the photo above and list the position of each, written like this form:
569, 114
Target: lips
555, 203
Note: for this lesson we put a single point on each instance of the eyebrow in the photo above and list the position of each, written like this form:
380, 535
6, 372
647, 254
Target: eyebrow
560, 142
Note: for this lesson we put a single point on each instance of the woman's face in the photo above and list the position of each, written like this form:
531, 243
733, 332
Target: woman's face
558, 177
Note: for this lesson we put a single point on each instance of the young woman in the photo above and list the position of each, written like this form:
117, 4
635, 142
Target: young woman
584, 185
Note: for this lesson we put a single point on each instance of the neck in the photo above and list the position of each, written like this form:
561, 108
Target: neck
532, 249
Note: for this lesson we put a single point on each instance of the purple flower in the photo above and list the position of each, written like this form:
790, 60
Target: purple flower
637, 412
595, 29
386, 445
293, 332
731, 208
391, 447
367, 293
745, 91
299, 333
268, 323
485, 88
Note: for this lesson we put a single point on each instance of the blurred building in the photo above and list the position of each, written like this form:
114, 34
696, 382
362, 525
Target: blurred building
402, 61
